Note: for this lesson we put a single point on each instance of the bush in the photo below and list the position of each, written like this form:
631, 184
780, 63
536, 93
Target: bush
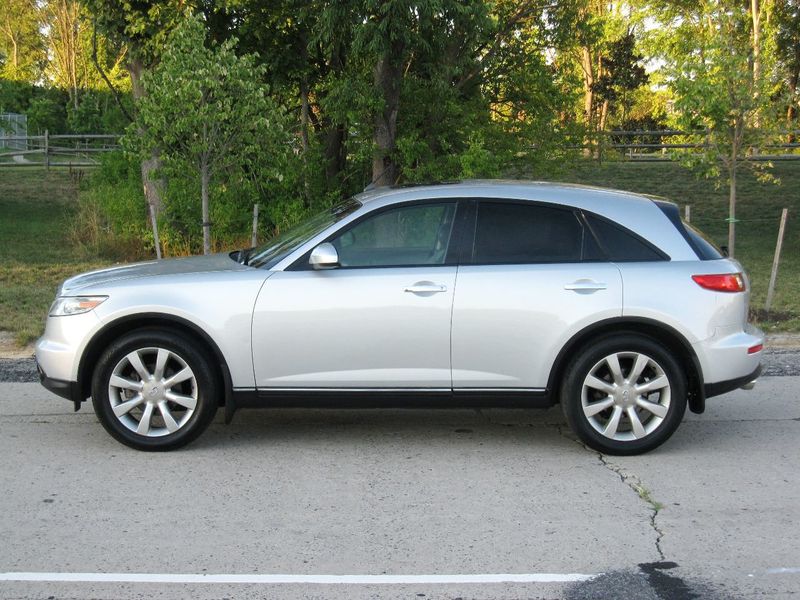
112, 221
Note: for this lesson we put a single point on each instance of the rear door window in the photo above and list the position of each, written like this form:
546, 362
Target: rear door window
513, 233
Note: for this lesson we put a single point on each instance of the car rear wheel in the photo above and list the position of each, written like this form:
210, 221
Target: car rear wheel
154, 390
624, 394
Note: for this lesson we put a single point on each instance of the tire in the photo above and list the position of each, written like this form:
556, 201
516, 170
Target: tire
602, 404
163, 400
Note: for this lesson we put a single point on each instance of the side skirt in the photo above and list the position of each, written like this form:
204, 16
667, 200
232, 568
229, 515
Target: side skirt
388, 398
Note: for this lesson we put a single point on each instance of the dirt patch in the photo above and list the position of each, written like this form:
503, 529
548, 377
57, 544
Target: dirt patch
10, 349
783, 340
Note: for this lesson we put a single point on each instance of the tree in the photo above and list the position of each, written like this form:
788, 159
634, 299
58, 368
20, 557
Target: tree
787, 25
143, 28
718, 85
205, 108
622, 74
22, 48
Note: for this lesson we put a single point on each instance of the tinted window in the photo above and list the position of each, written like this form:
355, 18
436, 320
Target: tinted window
704, 248
621, 245
526, 233
409, 235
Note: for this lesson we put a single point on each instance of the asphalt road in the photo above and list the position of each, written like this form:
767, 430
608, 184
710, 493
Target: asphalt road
469, 495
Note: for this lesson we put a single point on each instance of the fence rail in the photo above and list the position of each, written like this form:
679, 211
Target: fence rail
82, 150
65, 150
653, 145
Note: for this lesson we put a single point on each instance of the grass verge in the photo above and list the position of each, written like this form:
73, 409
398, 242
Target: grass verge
35, 256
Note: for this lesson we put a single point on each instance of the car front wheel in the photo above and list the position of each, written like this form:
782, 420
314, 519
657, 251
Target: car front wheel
154, 390
624, 395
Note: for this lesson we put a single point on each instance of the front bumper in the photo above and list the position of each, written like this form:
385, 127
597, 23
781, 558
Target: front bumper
69, 390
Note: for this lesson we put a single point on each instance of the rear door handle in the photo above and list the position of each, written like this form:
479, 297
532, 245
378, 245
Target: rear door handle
585, 286
425, 287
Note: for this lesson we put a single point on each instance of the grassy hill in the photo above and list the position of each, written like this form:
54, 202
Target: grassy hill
35, 254
758, 209
36, 209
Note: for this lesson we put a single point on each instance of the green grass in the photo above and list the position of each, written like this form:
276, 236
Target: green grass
36, 208
35, 256
758, 208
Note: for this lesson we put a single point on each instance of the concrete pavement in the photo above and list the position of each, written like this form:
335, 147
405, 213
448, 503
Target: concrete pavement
715, 512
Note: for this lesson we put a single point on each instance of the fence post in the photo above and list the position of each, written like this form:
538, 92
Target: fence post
254, 239
687, 213
46, 150
776, 261
154, 223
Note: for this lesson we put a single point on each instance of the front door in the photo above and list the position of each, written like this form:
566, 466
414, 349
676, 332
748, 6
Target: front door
379, 321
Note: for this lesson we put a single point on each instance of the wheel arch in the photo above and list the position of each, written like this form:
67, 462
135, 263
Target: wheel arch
660, 332
123, 325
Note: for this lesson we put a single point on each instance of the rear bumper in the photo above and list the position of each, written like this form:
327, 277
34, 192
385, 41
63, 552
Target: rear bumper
723, 387
725, 356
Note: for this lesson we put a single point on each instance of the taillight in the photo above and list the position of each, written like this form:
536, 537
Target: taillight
756, 348
730, 282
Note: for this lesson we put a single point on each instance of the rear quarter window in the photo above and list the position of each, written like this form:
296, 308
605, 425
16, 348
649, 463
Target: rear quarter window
699, 242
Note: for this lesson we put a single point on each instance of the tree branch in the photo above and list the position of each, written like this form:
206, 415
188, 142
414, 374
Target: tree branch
100, 70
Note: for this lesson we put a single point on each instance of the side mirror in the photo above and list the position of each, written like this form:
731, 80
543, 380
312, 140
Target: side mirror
324, 256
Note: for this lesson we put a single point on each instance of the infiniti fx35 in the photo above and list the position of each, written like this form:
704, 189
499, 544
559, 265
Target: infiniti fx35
465, 294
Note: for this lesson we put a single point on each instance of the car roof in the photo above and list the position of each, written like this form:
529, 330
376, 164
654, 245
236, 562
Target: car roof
636, 212
501, 188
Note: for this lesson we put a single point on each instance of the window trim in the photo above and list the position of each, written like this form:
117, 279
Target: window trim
454, 250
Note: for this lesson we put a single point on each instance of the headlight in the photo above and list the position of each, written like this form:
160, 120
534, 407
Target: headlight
75, 305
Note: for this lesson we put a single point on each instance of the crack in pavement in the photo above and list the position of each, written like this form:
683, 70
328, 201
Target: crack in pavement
632, 481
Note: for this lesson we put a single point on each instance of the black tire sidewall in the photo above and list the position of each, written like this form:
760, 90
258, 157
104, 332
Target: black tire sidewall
188, 350
589, 356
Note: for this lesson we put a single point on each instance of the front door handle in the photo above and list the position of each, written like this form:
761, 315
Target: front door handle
585, 286
425, 287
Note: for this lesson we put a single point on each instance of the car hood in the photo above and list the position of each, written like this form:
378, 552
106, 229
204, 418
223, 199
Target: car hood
172, 266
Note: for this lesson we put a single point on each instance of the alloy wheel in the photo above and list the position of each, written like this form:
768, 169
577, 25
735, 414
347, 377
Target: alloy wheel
153, 392
626, 396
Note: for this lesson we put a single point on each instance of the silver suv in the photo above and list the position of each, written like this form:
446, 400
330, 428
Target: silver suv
465, 294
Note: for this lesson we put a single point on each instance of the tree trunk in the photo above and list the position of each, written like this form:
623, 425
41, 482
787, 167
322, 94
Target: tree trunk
304, 114
15, 55
204, 179
755, 9
388, 74
152, 185
732, 203
335, 154
588, 97
791, 110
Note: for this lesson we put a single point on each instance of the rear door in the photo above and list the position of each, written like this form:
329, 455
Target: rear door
531, 280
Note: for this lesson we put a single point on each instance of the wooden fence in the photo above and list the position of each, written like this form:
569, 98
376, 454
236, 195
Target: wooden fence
657, 145
73, 150
82, 150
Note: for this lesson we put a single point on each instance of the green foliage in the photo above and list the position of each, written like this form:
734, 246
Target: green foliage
22, 49
207, 114
111, 220
142, 26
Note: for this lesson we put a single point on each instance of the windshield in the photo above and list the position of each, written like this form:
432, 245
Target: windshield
288, 240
